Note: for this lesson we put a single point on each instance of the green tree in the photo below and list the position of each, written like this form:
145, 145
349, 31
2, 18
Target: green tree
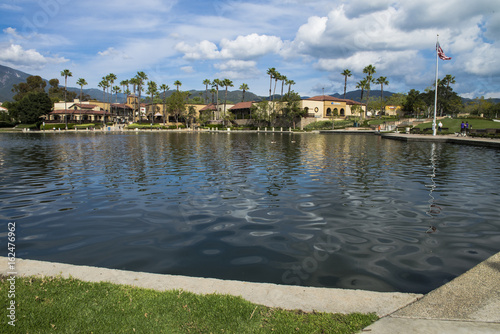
382, 81
283, 78
104, 84
66, 73
291, 110
134, 81
414, 102
31, 107
217, 83
34, 83
207, 83
176, 105
369, 71
272, 73
164, 88
226, 83
260, 112
290, 83
152, 91
125, 83
116, 90
361, 84
244, 88
448, 101
347, 73
140, 77
81, 82
177, 84
191, 116
397, 99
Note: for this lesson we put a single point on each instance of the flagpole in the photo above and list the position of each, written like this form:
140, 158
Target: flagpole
436, 90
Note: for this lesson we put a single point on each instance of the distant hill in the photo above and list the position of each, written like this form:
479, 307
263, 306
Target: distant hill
10, 77
355, 95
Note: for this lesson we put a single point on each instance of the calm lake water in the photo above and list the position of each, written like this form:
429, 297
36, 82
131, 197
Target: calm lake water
333, 210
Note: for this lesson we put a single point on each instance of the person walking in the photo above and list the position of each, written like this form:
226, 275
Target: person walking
462, 128
440, 126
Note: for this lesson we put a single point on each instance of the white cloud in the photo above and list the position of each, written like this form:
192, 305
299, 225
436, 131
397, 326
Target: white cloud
238, 69
202, 50
113, 53
483, 61
250, 46
15, 55
187, 69
243, 47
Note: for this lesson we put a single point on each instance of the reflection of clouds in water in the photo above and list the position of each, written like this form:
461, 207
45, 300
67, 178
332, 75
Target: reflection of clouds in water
348, 211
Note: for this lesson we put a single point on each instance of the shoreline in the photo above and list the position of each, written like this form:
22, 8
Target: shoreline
451, 139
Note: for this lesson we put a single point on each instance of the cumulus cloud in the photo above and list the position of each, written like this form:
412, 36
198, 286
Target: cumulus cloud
250, 46
15, 55
243, 47
202, 50
238, 69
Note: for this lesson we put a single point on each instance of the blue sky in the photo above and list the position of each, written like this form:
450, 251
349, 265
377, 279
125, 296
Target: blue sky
310, 42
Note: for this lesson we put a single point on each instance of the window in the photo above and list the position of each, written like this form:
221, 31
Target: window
328, 112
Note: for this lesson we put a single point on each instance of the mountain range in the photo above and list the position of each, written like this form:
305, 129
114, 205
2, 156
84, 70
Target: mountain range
10, 77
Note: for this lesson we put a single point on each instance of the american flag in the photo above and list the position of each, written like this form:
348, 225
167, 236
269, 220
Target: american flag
441, 53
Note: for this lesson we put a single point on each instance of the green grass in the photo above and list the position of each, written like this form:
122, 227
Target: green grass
453, 124
327, 125
47, 305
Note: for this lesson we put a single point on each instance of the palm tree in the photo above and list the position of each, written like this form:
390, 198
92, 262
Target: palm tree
124, 83
271, 72
104, 84
66, 73
164, 88
111, 77
226, 83
81, 82
283, 78
134, 82
152, 90
217, 83
177, 83
207, 83
289, 83
244, 88
448, 79
362, 85
277, 76
116, 90
382, 81
141, 77
346, 74
369, 71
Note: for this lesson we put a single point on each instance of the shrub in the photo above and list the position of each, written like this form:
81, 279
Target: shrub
6, 124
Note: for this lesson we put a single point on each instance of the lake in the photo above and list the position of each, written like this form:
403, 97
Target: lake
325, 210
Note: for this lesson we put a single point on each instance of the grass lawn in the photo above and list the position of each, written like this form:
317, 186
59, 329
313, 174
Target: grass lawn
453, 124
47, 305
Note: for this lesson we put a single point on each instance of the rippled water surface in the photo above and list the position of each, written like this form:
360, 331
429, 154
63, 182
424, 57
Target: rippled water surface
349, 211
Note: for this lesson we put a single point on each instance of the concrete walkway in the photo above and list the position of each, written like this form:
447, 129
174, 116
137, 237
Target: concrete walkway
468, 304
283, 296
486, 142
